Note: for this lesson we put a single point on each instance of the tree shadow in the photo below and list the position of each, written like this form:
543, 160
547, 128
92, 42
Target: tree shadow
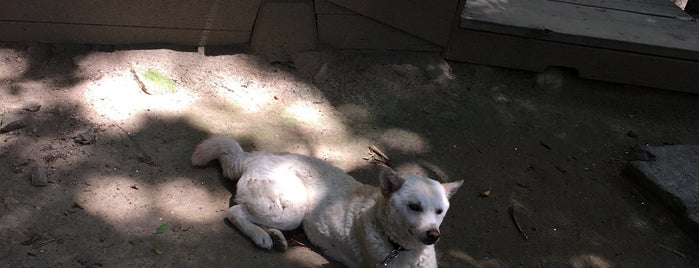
488, 126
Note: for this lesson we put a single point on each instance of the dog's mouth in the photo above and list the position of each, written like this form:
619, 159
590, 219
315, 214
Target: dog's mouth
429, 240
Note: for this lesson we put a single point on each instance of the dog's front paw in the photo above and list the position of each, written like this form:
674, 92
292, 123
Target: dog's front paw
263, 240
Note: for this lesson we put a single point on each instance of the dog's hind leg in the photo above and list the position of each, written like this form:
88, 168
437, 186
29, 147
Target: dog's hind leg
241, 219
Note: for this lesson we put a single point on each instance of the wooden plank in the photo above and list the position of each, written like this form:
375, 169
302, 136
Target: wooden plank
596, 27
238, 15
325, 7
358, 32
430, 20
663, 8
114, 35
531, 54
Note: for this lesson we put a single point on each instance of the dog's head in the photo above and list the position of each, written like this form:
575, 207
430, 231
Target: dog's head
415, 207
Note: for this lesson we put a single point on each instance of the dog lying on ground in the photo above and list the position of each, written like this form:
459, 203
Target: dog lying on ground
356, 224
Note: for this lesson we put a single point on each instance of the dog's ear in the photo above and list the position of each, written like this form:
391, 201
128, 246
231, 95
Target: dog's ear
451, 187
389, 181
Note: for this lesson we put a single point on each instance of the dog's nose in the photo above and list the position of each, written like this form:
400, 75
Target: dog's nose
432, 236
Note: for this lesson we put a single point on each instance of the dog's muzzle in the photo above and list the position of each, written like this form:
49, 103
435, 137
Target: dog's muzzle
431, 236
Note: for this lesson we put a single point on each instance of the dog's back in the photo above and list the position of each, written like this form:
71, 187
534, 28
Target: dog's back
354, 223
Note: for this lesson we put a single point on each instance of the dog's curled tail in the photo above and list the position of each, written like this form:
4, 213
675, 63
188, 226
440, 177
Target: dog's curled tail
228, 152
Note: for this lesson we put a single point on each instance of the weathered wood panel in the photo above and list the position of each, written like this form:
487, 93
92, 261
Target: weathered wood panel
650, 7
591, 26
612, 65
129, 21
345, 29
429, 20
115, 35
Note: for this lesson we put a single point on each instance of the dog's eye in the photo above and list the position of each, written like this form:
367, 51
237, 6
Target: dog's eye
415, 207
439, 211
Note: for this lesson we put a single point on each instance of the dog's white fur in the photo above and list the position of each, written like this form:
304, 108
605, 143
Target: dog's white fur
352, 222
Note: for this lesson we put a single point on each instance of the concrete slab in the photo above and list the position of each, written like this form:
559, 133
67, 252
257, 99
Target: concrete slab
673, 177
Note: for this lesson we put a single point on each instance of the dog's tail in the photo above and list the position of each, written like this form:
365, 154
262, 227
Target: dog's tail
228, 152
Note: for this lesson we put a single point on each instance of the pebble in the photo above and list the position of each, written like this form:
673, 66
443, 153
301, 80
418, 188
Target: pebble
87, 137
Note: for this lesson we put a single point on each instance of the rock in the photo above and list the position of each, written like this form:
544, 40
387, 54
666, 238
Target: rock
308, 63
12, 121
322, 74
39, 177
439, 72
553, 79
31, 106
550, 79
87, 137
673, 177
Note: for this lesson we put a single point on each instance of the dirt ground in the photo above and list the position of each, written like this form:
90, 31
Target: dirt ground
548, 159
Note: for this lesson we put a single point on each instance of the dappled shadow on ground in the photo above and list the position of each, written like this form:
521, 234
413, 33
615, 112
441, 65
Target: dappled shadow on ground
546, 161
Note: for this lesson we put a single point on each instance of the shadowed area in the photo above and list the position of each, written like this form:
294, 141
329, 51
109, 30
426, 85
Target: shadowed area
550, 160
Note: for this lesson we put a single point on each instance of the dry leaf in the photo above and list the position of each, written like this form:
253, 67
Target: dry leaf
10, 202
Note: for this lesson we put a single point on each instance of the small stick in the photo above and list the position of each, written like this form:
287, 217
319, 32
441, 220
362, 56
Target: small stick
379, 152
519, 227
138, 81
673, 251
43, 243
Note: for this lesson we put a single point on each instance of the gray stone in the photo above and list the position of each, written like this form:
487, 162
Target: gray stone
673, 176
322, 74
31, 106
86, 137
39, 177
439, 71
12, 121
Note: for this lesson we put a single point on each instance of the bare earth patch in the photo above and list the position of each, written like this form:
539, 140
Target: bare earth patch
120, 191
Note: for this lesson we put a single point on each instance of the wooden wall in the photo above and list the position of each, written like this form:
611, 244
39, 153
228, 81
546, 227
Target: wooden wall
181, 22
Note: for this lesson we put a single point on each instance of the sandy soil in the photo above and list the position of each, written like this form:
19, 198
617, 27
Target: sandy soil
117, 159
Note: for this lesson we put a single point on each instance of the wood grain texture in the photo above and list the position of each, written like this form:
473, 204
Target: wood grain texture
429, 20
591, 62
584, 25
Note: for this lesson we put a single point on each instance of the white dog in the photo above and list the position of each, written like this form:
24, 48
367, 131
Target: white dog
356, 224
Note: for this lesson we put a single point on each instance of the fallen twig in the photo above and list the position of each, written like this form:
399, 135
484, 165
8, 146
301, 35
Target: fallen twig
43, 243
138, 81
519, 227
382, 158
379, 152
672, 250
